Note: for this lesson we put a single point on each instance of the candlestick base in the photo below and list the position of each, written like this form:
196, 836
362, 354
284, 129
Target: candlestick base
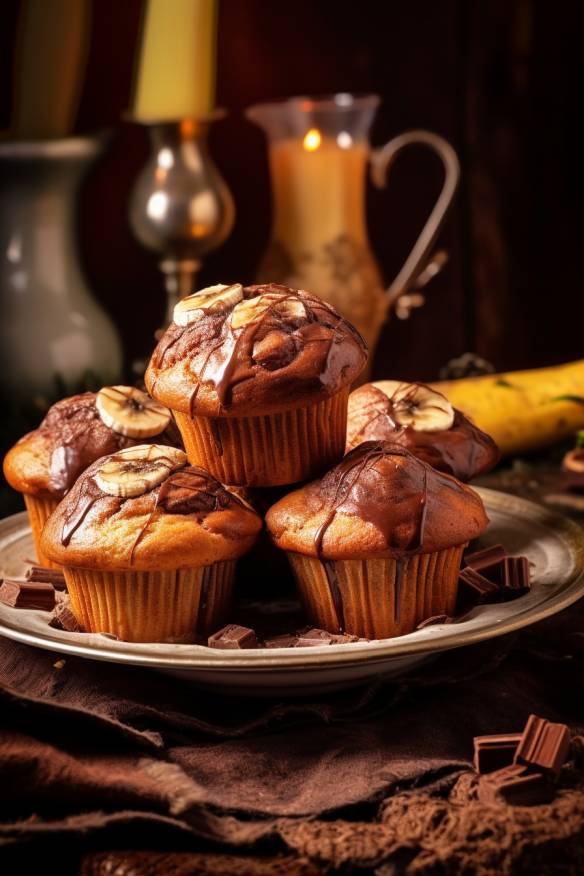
180, 277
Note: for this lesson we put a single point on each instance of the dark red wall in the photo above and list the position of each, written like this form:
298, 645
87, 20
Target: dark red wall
497, 78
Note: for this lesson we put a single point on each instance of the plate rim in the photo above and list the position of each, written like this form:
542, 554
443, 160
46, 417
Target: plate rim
200, 658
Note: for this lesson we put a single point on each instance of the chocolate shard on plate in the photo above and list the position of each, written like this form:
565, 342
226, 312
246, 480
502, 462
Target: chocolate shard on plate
310, 636
435, 619
485, 559
64, 619
284, 641
313, 636
233, 637
515, 577
494, 752
44, 575
543, 746
515, 784
21, 594
475, 589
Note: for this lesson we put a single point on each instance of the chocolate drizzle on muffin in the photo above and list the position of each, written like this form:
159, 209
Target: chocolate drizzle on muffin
380, 500
350, 488
188, 491
280, 341
71, 437
462, 450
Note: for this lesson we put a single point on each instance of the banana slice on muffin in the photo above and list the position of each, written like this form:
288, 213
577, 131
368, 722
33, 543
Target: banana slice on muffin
131, 412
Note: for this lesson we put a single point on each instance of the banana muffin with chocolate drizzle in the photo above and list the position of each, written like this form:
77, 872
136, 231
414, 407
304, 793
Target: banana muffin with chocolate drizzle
423, 420
148, 545
44, 464
376, 544
258, 379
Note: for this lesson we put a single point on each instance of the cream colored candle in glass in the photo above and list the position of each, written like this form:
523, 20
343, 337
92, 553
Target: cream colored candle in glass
176, 70
318, 191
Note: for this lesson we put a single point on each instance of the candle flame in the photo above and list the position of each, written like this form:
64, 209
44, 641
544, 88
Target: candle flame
312, 140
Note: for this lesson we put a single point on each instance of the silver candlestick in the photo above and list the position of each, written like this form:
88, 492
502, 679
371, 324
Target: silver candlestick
180, 206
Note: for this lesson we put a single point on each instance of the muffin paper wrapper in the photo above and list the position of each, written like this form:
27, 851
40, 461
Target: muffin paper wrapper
377, 598
39, 510
279, 448
152, 606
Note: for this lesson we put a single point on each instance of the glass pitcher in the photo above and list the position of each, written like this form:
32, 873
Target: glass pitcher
319, 152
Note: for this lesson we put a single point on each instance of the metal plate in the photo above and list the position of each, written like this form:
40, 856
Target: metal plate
553, 544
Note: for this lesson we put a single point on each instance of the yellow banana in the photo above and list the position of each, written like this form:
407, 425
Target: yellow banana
523, 410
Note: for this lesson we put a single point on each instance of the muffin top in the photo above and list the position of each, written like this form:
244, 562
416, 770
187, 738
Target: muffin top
80, 429
234, 350
379, 501
423, 420
145, 508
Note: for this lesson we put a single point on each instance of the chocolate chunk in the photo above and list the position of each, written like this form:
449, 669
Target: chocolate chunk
436, 619
516, 785
20, 594
494, 752
313, 636
485, 559
44, 575
64, 619
475, 589
543, 746
283, 641
515, 577
233, 637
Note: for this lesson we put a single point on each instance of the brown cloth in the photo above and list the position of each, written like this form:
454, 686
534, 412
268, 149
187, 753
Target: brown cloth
115, 757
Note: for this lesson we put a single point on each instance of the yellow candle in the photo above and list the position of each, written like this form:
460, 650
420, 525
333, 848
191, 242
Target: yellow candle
176, 71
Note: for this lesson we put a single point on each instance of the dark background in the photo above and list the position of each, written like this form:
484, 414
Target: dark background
499, 79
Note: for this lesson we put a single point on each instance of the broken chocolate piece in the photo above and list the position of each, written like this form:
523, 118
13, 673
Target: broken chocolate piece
543, 746
436, 619
494, 752
21, 594
233, 637
515, 577
44, 575
313, 636
64, 619
515, 784
283, 641
486, 558
475, 589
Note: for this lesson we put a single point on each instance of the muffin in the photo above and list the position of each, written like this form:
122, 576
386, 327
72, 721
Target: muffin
424, 421
376, 544
148, 545
258, 379
43, 465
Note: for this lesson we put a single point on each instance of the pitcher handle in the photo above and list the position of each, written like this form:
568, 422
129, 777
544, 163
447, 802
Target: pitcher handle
381, 160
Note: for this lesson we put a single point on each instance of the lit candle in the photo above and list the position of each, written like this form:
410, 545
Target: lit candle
319, 193
176, 71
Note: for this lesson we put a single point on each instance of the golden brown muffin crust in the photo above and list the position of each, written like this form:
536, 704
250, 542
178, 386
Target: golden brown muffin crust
272, 362
188, 520
463, 450
48, 461
380, 501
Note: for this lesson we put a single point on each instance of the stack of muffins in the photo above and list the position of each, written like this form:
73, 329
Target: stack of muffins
258, 381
